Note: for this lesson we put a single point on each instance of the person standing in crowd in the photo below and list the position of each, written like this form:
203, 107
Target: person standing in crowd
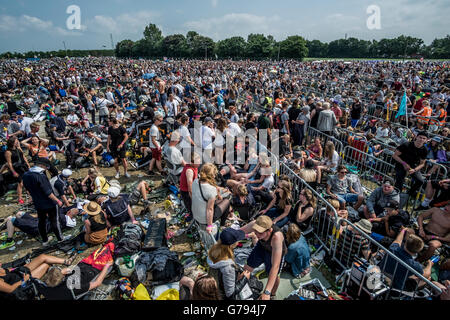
155, 145
410, 159
117, 137
44, 200
327, 120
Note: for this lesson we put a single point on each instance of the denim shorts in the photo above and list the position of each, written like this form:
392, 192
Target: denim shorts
348, 198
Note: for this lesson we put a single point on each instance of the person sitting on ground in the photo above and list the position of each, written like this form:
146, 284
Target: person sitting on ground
61, 186
57, 138
377, 200
140, 192
298, 253
280, 207
98, 183
436, 232
340, 187
360, 245
392, 222
73, 120
330, 161
436, 194
11, 279
221, 261
59, 283
75, 154
38, 149
315, 149
92, 145
29, 223
117, 208
205, 288
204, 194
96, 229
309, 174
304, 209
242, 201
270, 250
405, 250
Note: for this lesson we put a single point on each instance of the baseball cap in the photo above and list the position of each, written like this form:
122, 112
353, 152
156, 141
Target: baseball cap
422, 133
437, 139
392, 205
208, 119
387, 182
20, 113
113, 192
67, 173
42, 162
230, 236
262, 224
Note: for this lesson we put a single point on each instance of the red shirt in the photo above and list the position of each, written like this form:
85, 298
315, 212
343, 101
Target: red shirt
183, 179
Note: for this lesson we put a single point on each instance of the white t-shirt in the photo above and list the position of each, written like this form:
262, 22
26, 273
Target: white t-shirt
334, 160
198, 204
172, 108
72, 118
234, 130
268, 182
154, 132
25, 125
207, 137
110, 96
174, 155
184, 135
381, 133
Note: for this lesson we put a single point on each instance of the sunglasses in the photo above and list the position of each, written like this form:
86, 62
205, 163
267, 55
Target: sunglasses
344, 172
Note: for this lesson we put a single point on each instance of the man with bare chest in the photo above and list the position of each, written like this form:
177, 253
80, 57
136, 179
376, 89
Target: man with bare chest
436, 232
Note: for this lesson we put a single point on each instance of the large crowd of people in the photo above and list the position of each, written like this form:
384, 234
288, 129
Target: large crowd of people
195, 124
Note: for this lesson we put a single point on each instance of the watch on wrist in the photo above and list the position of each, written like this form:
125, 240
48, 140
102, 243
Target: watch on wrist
267, 292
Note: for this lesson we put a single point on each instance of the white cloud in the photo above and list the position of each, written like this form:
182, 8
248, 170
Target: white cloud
214, 3
234, 24
26, 23
124, 24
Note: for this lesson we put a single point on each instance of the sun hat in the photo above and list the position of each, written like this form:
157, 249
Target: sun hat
92, 208
365, 225
262, 224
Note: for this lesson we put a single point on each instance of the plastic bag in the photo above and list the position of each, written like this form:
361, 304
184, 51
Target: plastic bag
171, 294
141, 293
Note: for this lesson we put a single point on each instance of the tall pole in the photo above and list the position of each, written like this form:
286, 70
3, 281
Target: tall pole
206, 52
112, 42
64, 43
279, 48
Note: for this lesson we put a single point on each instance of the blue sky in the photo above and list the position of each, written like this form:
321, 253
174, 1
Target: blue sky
41, 25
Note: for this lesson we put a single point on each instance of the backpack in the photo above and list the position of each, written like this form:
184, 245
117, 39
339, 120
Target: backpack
128, 240
277, 122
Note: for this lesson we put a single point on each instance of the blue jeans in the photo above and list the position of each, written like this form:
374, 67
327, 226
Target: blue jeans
274, 213
347, 198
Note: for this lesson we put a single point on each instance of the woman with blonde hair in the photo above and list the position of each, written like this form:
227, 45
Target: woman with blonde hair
280, 207
205, 192
304, 209
330, 161
221, 261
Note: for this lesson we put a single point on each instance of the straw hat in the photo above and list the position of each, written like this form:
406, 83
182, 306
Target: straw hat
92, 208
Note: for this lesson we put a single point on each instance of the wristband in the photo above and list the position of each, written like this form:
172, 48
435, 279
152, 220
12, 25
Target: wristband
210, 226
433, 237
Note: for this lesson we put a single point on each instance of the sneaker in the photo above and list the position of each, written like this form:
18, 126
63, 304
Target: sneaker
117, 176
133, 165
21, 201
3, 237
6, 245
127, 175
68, 237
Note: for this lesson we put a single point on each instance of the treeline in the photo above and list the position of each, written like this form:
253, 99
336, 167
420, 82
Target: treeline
60, 54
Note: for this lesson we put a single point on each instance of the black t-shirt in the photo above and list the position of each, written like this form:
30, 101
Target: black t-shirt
61, 292
396, 222
117, 135
293, 113
250, 125
314, 120
412, 155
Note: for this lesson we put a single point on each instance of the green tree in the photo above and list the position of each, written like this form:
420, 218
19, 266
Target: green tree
175, 46
317, 49
202, 46
259, 47
294, 47
124, 48
231, 48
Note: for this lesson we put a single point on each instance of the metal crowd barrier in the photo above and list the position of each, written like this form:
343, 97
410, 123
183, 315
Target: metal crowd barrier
313, 133
349, 245
323, 222
370, 168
